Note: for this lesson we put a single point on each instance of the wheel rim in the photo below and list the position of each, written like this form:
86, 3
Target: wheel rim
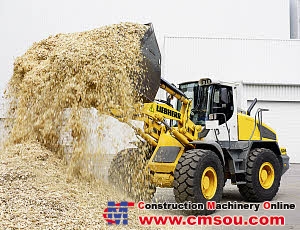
266, 175
209, 183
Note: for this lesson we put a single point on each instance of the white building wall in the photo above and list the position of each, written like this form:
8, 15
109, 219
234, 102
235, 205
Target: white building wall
273, 92
231, 59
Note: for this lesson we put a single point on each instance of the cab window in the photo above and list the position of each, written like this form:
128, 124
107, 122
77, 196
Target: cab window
222, 103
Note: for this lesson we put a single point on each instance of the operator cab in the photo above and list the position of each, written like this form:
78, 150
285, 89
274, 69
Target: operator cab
208, 98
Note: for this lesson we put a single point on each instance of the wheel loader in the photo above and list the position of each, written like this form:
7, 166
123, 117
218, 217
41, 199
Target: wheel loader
196, 144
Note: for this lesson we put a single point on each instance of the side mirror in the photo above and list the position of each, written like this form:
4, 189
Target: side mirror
211, 124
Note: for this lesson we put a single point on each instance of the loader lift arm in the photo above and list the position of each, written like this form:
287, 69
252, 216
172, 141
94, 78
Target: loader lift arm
154, 115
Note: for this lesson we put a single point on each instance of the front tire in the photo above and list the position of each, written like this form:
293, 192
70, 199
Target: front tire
198, 178
263, 176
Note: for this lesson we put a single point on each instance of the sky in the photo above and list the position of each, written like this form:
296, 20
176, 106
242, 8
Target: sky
25, 22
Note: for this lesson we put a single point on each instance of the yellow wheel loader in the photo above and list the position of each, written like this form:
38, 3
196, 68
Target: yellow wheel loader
195, 146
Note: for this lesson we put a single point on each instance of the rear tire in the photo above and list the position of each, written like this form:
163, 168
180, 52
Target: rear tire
198, 178
262, 177
128, 172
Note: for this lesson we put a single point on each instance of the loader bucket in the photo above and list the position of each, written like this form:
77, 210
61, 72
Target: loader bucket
149, 83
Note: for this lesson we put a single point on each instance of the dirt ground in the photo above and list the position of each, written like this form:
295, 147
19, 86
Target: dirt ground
37, 192
82, 203
289, 192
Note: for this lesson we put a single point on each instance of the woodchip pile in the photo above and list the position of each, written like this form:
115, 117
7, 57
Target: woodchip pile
92, 69
36, 193
96, 69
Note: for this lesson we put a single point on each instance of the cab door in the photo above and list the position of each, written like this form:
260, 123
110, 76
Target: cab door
223, 109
